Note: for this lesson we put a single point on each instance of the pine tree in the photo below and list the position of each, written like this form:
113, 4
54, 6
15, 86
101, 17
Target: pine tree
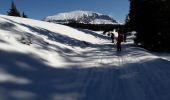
127, 26
150, 18
13, 10
24, 16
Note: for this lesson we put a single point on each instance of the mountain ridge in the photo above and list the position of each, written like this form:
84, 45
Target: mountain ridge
79, 16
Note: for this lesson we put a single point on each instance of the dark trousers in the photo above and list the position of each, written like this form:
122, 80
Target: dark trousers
119, 46
112, 40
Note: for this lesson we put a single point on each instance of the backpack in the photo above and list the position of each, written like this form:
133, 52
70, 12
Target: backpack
120, 38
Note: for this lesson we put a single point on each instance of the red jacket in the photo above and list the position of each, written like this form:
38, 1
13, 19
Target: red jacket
120, 38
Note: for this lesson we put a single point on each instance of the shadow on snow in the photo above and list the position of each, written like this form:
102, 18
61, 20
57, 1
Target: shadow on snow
134, 81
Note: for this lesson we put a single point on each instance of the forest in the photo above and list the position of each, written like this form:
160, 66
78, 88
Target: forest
95, 27
150, 19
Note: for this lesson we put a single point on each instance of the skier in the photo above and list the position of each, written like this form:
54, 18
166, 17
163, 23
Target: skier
119, 40
112, 37
124, 37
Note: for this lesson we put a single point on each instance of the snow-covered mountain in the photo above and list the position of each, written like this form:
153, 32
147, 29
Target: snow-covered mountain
86, 17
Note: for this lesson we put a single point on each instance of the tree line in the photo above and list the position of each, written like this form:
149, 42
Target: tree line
150, 19
13, 11
95, 27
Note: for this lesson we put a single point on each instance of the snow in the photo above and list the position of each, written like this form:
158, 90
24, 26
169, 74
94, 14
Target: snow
43, 36
101, 21
87, 17
45, 61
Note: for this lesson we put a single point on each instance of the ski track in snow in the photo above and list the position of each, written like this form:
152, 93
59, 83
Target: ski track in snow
95, 73
125, 80
139, 81
114, 76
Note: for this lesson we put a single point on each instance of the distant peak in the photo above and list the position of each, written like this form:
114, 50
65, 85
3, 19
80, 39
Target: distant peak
81, 16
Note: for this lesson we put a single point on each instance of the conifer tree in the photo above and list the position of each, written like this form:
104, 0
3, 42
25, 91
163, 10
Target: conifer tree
24, 16
150, 18
126, 26
13, 10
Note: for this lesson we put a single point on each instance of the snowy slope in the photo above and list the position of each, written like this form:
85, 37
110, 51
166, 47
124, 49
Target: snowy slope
45, 61
42, 38
86, 17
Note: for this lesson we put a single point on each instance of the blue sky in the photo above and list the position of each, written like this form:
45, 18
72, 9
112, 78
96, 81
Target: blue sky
38, 9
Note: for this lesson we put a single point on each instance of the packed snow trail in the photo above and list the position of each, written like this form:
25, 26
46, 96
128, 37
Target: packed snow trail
138, 79
56, 62
133, 74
